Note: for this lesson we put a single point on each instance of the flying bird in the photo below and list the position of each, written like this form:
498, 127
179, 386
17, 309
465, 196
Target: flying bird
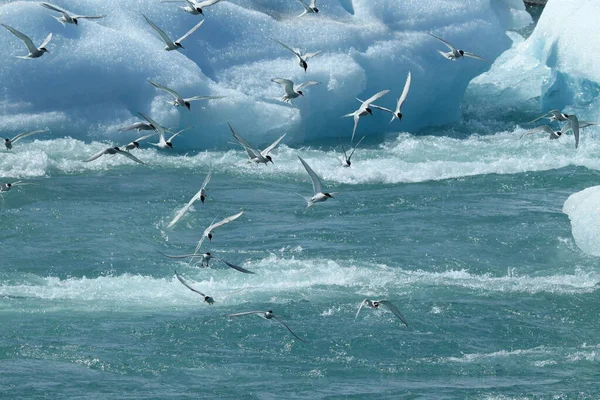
34, 52
397, 112
113, 151
139, 126
309, 8
208, 232
68, 18
151, 124
207, 299
267, 315
290, 91
200, 195
364, 109
385, 303
194, 7
302, 58
255, 155
454, 54
545, 129
8, 143
318, 195
180, 101
5, 187
166, 143
206, 257
172, 45
346, 161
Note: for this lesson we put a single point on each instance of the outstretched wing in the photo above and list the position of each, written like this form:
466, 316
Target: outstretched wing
25, 134
178, 132
354, 149
166, 89
194, 29
543, 116
266, 151
378, 107
207, 179
252, 152
185, 208
356, 118
137, 125
538, 129
288, 328
181, 256
472, 55
316, 182
55, 8
394, 310
88, 16
46, 41
130, 156
288, 85
160, 32
306, 7
180, 279
225, 221
360, 307
157, 127
30, 46
238, 268
443, 41
145, 136
95, 156
289, 48
575, 128
307, 84
375, 97
308, 56
194, 98
404, 92
245, 313
207, 3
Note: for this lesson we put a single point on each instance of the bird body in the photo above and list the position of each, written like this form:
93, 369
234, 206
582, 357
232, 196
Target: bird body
268, 315
8, 143
170, 44
68, 18
207, 299
34, 52
318, 194
201, 195
454, 53
386, 304
292, 92
364, 109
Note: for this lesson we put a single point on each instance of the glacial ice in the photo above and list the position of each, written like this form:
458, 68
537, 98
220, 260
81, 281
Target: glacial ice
583, 209
554, 68
94, 80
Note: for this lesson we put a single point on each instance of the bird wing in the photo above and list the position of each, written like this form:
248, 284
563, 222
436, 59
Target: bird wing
185, 208
238, 268
137, 125
543, 116
266, 151
585, 124
25, 134
145, 136
46, 41
538, 129
404, 92
180, 279
575, 128
307, 84
306, 7
375, 97
472, 55
130, 156
360, 307
313, 3
316, 182
194, 98
56, 8
443, 41
288, 85
354, 149
30, 46
308, 56
289, 48
160, 32
194, 29
207, 179
207, 3
224, 221
95, 156
356, 118
378, 107
181, 256
88, 16
252, 152
166, 89
288, 328
178, 132
158, 128
394, 310
245, 313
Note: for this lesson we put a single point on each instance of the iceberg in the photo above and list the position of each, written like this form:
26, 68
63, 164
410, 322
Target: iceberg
95, 78
583, 209
554, 68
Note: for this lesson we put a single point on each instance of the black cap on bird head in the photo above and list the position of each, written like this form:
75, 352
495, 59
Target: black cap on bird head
270, 159
316, 10
399, 115
116, 148
270, 311
179, 45
45, 50
199, 10
75, 21
7, 140
170, 144
209, 236
300, 92
369, 111
462, 53
187, 104
207, 253
328, 194
136, 144
8, 184
304, 65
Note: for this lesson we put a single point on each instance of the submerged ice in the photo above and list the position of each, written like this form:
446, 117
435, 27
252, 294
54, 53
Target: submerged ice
95, 78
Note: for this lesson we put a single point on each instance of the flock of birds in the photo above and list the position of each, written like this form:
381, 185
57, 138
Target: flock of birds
255, 155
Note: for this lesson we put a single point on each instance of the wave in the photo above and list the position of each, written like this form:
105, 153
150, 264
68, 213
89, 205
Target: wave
278, 279
407, 158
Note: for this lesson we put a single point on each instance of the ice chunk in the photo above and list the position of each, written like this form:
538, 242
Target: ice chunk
583, 209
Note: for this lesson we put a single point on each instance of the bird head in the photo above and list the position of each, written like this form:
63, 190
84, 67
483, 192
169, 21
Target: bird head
316, 10
170, 145
187, 104
43, 49
300, 92
328, 194
462, 53
116, 148
348, 163
209, 300
199, 10
399, 115
179, 45
304, 65
270, 159
209, 236
369, 111
75, 21
8, 185
207, 253
7, 140
136, 144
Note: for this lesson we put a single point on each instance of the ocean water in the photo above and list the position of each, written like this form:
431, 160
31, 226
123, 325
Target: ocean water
464, 233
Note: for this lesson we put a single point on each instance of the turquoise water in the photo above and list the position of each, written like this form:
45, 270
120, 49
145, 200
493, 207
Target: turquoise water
465, 235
